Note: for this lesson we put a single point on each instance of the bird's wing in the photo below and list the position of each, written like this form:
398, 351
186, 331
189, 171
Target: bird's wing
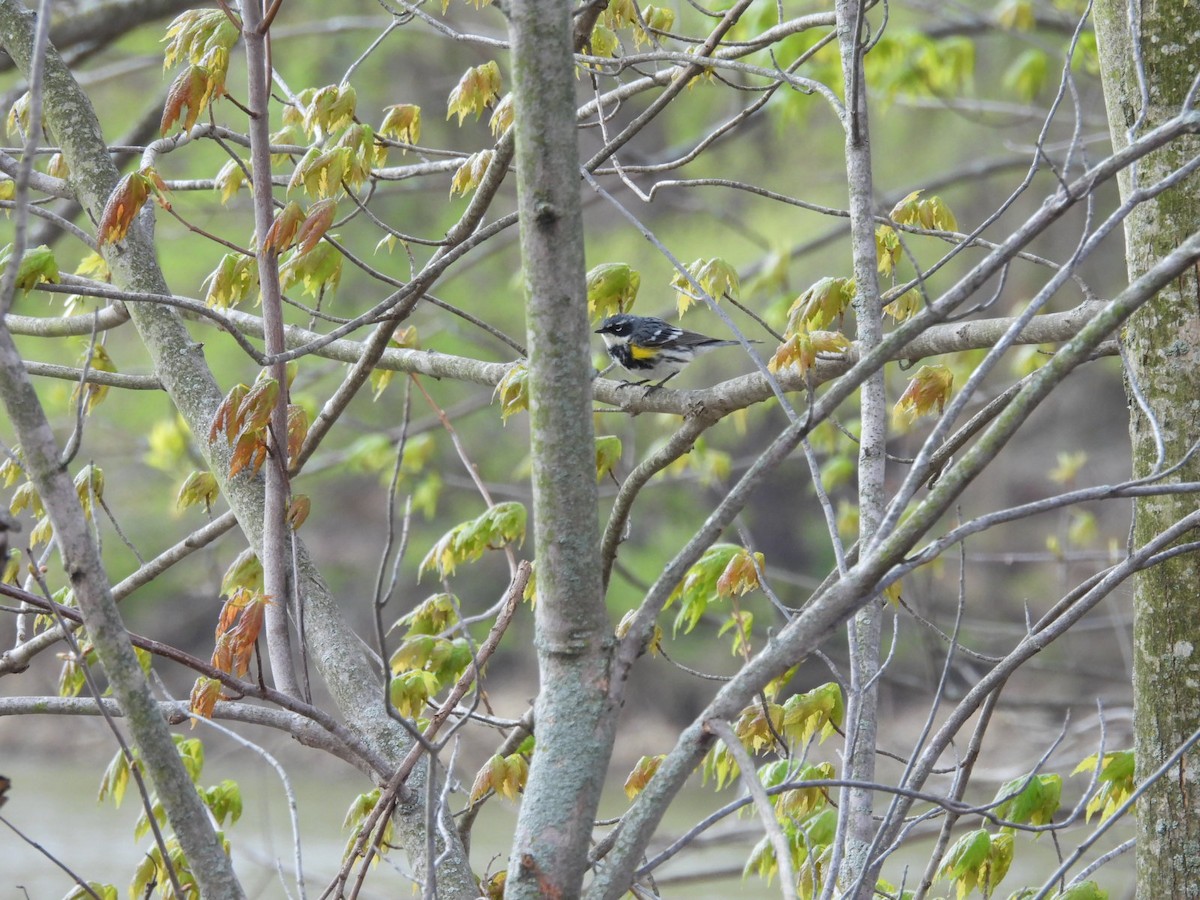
663, 333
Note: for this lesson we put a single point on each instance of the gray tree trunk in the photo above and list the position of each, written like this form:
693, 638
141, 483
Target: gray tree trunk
574, 719
1148, 57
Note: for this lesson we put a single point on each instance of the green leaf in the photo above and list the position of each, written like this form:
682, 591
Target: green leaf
657, 18
478, 88
37, 266
1030, 800
319, 270
1085, 890
641, 774
245, 573
1027, 74
224, 800
233, 280
819, 710
191, 751
978, 859
115, 779
927, 392
402, 122
1016, 15
89, 487
93, 890
411, 690
820, 305
611, 289
608, 454
1116, 782
433, 615
468, 175
715, 276
497, 527
699, 586
513, 390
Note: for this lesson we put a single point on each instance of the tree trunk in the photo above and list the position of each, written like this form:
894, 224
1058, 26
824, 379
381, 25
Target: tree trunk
1163, 343
574, 720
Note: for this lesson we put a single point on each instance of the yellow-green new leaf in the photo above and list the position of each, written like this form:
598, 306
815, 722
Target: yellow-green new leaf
37, 266
657, 19
198, 487
699, 585
803, 348
907, 211
1116, 782
410, 691
96, 358
93, 890
887, 250
935, 215
1029, 800
905, 306
330, 108
468, 175
611, 289
1069, 465
603, 41
115, 780
230, 179
245, 573
200, 36
89, 487
1084, 890
321, 172
608, 454
1016, 15
476, 91
433, 615
715, 276
497, 527
513, 390
642, 772
978, 859
26, 497
231, 282
820, 305
318, 270
224, 800
927, 393
819, 710
502, 116
506, 775
402, 122
1027, 74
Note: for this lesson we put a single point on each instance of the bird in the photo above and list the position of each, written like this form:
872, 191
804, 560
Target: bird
652, 348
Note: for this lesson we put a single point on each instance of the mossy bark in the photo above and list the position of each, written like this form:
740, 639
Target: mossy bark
1163, 342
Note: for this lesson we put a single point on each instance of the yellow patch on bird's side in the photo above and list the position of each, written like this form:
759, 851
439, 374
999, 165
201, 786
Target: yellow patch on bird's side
642, 352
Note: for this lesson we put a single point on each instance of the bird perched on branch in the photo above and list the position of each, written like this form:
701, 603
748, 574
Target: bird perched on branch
652, 349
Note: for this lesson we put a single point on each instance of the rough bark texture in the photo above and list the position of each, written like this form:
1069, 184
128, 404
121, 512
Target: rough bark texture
1163, 340
574, 721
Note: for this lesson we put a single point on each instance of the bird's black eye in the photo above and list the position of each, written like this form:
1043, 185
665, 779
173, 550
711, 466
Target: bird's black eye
620, 329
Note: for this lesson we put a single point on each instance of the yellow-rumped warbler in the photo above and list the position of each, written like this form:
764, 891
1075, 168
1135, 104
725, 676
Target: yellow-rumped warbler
651, 348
